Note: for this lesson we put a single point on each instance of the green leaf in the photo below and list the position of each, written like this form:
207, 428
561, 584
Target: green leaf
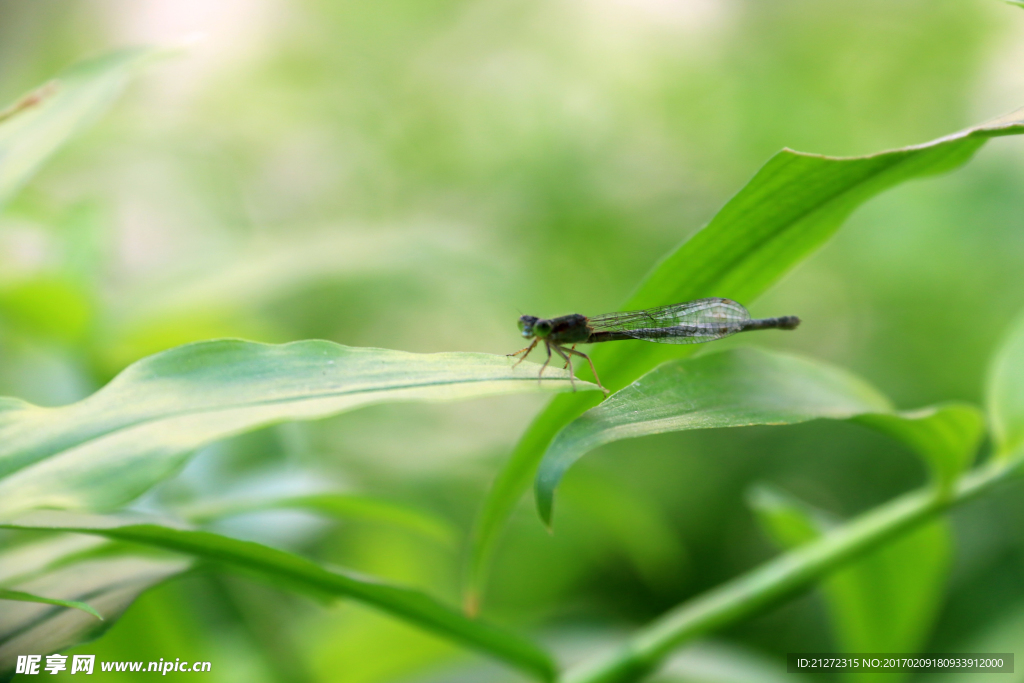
628, 522
946, 436
47, 306
110, 584
339, 505
751, 593
885, 601
26, 560
788, 521
112, 446
1005, 394
29, 597
34, 128
1017, 3
280, 567
743, 387
790, 208
713, 661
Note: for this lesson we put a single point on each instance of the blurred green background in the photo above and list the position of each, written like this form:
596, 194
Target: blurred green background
413, 174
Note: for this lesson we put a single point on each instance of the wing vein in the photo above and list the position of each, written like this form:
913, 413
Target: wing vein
692, 322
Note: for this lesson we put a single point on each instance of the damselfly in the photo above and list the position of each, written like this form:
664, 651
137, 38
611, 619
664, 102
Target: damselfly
692, 322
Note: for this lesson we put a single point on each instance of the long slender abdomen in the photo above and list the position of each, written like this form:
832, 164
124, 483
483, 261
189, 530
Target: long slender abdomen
694, 332
786, 322
604, 336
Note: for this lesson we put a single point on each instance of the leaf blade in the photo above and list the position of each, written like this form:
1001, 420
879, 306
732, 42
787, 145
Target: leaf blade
337, 505
1005, 392
884, 601
110, 584
281, 566
21, 596
748, 246
748, 386
110, 447
946, 436
781, 577
34, 128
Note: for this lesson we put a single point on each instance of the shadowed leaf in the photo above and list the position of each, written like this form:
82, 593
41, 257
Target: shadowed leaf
744, 387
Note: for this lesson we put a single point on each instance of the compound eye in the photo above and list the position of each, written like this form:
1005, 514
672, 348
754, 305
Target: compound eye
526, 325
542, 328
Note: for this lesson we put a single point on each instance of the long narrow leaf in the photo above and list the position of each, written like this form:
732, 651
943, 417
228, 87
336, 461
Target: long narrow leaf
884, 602
1006, 392
39, 124
110, 584
338, 505
112, 446
780, 578
745, 387
25, 560
946, 436
282, 567
29, 597
791, 207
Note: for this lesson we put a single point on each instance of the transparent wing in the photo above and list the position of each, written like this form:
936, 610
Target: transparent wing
692, 322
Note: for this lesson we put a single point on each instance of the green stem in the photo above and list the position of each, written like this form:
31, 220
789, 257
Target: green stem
776, 580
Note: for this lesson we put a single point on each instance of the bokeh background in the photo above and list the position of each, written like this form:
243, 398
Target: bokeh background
413, 174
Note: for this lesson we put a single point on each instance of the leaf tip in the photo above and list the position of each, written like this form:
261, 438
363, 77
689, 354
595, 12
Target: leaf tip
545, 506
33, 99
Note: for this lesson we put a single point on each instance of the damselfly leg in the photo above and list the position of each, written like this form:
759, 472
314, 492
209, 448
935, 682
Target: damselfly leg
567, 361
597, 379
561, 351
522, 350
540, 376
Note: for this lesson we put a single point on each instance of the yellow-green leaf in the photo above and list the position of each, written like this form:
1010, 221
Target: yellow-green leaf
110, 447
21, 596
35, 127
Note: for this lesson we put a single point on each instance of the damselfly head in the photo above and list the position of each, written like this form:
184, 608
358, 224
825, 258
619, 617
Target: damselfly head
526, 325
